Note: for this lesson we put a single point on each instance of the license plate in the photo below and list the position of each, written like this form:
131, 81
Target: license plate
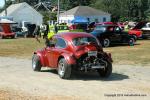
97, 67
92, 53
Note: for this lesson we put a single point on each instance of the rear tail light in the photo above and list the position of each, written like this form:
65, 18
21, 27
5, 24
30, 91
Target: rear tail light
109, 54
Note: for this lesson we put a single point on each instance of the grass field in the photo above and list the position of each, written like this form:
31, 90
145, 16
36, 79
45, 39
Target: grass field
122, 54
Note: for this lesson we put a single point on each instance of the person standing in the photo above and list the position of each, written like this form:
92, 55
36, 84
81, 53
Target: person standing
36, 32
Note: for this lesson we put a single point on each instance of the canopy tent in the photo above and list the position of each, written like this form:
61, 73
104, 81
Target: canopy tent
6, 21
80, 20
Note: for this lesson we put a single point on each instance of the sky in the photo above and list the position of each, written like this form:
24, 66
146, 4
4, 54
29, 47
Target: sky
1, 3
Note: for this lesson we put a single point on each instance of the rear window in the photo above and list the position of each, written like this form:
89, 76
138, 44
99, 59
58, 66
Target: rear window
84, 40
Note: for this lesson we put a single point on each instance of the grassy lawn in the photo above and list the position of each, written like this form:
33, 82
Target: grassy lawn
122, 54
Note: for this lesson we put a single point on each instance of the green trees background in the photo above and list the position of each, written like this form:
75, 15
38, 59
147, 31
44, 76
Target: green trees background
120, 10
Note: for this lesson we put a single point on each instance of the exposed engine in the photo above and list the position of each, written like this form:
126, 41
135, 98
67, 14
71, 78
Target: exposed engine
87, 63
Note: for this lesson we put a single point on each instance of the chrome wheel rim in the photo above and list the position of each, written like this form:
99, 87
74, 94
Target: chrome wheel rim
33, 64
61, 69
131, 42
106, 42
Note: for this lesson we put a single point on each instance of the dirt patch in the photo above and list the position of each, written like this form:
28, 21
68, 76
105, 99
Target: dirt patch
19, 82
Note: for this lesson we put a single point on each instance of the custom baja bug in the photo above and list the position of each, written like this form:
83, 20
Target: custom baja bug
68, 52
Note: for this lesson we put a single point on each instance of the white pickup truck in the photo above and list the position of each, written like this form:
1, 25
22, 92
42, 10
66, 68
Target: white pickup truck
146, 30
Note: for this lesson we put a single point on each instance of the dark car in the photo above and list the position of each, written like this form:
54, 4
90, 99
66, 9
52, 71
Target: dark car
109, 34
69, 52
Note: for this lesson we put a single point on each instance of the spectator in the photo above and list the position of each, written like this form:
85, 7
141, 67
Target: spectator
36, 32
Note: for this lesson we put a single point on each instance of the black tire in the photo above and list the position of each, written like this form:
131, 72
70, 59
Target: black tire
36, 64
135, 37
106, 42
64, 69
131, 42
106, 72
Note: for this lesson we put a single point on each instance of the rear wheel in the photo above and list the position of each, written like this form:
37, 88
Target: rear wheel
64, 69
106, 42
36, 64
105, 72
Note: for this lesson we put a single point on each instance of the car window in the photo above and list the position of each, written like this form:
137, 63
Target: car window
60, 43
83, 40
100, 28
117, 29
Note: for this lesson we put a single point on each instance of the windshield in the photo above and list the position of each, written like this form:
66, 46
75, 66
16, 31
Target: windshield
84, 40
100, 28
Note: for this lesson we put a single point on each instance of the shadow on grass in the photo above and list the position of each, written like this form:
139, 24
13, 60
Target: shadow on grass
92, 76
123, 45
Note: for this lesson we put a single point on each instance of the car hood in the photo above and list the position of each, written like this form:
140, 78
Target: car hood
139, 25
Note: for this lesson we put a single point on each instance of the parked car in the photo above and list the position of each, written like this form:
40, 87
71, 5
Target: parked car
62, 28
19, 32
109, 34
146, 31
136, 30
69, 52
5, 29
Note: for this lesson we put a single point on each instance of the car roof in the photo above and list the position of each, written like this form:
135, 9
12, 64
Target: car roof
71, 35
107, 25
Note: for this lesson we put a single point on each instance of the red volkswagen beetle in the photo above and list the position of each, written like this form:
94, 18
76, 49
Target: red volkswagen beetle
68, 51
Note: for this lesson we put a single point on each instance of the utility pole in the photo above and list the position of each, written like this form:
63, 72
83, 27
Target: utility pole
58, 12
5, 8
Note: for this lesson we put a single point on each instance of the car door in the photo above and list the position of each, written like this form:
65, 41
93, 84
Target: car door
59, 48
116, 35
50, 52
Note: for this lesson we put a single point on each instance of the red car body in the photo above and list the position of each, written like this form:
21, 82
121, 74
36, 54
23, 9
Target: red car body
66, 48
5, 31
136, 31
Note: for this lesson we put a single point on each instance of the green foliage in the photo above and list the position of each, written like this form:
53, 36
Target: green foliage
124, 9
121, 10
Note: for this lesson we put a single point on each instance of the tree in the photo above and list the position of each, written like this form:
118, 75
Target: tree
124, 9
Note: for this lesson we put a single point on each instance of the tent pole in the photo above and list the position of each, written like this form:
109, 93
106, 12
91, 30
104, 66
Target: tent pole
5, 8
58, 12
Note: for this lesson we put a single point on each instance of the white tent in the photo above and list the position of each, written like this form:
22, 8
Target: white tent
6, 21
23, 12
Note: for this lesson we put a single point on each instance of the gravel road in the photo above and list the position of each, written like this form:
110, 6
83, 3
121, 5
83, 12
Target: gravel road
19, 82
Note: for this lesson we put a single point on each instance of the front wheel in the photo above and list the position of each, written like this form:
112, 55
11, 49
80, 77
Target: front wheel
105, 72
36, 64
106, 42
131, 42
64, 69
